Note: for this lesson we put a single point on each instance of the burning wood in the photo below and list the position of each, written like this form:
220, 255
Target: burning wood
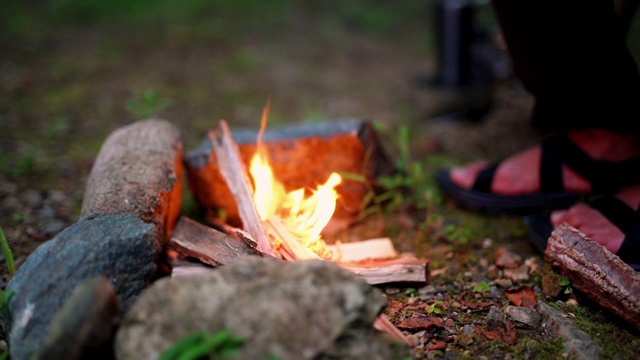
235, 174
208, 245
347, 146
288, 224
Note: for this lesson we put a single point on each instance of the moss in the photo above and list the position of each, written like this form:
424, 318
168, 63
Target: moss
609, 335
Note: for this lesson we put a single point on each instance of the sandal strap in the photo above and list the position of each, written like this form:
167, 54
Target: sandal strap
629, 251
627, 220
604, 176
558, 150
485, 178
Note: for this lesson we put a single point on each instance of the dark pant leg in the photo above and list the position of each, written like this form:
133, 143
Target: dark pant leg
572, 56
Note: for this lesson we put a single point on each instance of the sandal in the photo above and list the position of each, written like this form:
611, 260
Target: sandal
557, 150
615, 210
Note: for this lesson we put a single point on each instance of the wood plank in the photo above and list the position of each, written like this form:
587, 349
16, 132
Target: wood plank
237, 179
396, 273
206, 244
381, 248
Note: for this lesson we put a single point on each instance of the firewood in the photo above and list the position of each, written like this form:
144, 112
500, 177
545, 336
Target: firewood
362, 250
382, 323
596, 272
237, 179
301, 155
206, 244
291, 248
395, 273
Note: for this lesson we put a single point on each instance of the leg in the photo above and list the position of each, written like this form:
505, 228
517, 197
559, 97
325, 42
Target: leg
572, 56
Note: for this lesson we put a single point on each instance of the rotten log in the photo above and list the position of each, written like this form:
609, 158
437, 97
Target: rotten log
192, 239
595, 271
301, 156
236, 177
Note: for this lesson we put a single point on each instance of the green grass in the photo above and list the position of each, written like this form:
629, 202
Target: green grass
220, 345
7, 253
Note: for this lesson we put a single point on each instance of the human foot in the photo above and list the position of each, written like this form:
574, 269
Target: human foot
549, 176
601, 228
521, 173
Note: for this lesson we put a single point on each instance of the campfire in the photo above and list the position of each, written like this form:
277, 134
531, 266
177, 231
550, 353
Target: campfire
279, 221
293, 219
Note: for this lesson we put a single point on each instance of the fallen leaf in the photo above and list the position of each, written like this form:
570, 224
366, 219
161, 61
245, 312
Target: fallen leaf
419, 323
508, 333
522, 296
436, 345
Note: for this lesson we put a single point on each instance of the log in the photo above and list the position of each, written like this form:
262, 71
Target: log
234, 172
595, 271
192, 239
214, 248
302, 156
139, 171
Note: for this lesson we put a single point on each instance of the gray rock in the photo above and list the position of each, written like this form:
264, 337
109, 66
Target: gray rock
85, 325
120, 247
138, 171
579, 345
495, 318
523, 315
292, 310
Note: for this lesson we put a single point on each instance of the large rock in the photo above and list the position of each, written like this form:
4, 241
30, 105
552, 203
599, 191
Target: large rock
292, 310
84, 327
121, 248
139, 171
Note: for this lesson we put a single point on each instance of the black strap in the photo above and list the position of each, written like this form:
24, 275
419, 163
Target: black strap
551, 160
629, 251
559, 150
485, 179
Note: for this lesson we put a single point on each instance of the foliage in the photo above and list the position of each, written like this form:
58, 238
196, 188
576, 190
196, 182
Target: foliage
481, 287
7, 253
411, 184
433, 308
457, 235
220, 345
566, 283
4, 300
146, 104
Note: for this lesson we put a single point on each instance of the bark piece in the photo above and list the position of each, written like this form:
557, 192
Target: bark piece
595, 271
206, 244
139, 170
234, 172
301, 156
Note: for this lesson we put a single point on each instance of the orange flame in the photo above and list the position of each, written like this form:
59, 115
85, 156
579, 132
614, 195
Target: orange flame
304, 216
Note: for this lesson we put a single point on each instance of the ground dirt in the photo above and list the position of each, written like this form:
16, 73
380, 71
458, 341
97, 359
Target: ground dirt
71, 73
